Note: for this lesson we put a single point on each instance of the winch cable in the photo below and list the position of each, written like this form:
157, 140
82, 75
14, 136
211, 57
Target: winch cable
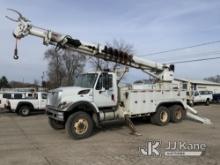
16, 49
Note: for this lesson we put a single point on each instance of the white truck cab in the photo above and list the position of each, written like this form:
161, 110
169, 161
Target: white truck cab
98, 88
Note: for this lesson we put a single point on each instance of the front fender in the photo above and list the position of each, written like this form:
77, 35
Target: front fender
87, 106
23, 103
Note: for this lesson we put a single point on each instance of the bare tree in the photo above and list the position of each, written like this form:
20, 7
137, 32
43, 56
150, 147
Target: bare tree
214, 78
4, 82
121, 45
56, 70
36, 83
74, 63
63, 66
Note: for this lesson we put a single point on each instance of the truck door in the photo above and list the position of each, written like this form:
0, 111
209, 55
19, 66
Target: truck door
42, 101
203, 95
105, 91
197, 97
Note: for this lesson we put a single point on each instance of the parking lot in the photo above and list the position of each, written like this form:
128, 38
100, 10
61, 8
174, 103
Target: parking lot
30, 140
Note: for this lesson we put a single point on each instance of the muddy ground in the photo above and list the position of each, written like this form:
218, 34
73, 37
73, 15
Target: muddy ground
31, 141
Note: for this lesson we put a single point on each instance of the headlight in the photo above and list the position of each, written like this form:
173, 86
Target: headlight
64, 105
60, 115
61, 105
60, 92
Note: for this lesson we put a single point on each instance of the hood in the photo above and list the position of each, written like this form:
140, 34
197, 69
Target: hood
72, 89
64, 94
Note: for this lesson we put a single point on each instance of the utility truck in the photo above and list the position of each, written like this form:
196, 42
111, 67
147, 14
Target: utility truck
202, 97
96, 97
24, 106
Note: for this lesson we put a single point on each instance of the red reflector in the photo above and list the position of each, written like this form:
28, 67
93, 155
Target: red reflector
113, 97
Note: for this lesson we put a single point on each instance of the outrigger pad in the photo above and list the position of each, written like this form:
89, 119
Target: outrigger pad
198, 118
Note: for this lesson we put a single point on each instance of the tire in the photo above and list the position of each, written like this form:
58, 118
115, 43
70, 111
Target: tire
24, 110
207, 102
74, 125
161, 117
190, 103
177, 113
57, 125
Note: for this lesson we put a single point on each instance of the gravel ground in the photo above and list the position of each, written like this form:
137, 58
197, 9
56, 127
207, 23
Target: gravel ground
30, 140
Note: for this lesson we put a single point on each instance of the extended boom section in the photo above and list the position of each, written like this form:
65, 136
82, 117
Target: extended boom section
163, 72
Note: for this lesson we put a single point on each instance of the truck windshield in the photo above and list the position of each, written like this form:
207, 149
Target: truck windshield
86, 80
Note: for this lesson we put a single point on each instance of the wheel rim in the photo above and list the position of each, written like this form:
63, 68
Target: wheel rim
25, 111
163, 116
81, 126
178, 114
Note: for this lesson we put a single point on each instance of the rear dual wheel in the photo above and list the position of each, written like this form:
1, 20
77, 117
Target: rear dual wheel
164, 115
177, 113
161, 116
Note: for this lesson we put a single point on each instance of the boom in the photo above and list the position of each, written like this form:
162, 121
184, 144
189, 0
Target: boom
163, 72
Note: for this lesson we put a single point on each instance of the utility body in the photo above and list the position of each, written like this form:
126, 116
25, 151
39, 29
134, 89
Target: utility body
97, 97
5, 95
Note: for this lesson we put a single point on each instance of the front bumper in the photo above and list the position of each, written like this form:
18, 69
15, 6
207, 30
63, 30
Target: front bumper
55, 113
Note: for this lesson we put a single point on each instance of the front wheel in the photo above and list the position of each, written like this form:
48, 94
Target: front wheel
207, 102
79, 125
24, 111
56, 124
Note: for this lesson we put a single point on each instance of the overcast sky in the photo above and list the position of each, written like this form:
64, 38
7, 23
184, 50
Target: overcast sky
150, 26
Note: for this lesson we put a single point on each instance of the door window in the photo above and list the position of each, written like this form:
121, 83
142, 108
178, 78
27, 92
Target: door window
105, 81
7, 95
17, 96
196, 93
44, 96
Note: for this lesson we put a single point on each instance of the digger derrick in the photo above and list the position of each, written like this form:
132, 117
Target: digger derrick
103, 101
